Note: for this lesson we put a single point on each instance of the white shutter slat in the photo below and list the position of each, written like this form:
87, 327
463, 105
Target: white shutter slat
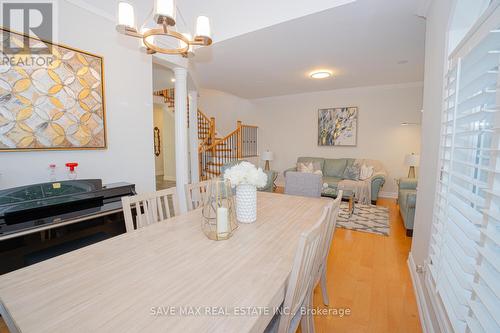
489, 276
464, 252
492, 257
489, 301
451, 305
474, 325
483, 317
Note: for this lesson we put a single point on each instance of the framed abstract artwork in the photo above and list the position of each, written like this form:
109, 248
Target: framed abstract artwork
54, 104
338, 126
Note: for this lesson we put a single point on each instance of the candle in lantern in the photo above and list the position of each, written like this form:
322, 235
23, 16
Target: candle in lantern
222, 221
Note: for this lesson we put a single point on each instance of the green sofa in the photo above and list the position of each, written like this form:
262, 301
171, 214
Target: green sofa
333, 171
270, 176
407, 199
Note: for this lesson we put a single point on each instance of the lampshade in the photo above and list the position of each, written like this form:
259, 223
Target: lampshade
126, 17
267, 156
165, 8
203, 27
412, 159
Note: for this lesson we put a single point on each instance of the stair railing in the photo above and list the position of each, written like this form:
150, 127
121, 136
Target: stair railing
240, 143
203, 125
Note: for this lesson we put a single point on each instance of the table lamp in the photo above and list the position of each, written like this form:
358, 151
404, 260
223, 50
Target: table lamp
412, 160
267, 156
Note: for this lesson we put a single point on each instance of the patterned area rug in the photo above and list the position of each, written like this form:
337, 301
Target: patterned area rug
366, 218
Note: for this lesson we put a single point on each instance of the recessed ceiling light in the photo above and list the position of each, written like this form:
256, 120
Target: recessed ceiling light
322, 74
172, 80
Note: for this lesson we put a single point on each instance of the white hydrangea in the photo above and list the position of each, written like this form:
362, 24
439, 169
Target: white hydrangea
246, 173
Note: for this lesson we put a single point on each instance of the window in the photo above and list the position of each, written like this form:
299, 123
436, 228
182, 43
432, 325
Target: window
464, 254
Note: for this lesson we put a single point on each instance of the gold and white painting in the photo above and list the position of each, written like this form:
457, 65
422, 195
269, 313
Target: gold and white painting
53, 104
338, 126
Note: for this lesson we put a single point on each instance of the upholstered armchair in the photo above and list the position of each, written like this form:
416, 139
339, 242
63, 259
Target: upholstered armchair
304, 184
270, 176
407, 199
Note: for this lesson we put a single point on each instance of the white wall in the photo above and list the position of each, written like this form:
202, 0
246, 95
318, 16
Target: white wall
288, 126
226, 108
129, 116
435, 62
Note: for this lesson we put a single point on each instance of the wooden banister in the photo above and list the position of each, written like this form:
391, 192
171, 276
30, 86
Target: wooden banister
214, 152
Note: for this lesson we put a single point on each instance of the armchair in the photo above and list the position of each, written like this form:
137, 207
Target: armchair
304, 184
407, 198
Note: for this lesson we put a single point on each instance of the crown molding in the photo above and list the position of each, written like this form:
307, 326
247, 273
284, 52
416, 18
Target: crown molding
423, 8
92, 9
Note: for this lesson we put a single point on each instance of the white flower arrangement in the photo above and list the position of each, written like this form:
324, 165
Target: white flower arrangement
246, 173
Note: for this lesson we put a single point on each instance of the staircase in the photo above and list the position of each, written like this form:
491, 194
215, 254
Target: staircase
215, 151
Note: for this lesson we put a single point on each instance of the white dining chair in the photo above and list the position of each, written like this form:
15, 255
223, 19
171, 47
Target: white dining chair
325, 247
298, 292
195, 194
150, 208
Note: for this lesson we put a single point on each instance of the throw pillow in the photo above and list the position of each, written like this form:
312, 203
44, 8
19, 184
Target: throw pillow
351, 172
365, 172
318, 172
305, 167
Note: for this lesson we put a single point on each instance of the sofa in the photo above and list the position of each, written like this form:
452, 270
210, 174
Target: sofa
333, 172
407, 198
271, 175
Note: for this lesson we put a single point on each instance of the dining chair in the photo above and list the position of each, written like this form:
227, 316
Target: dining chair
326, 245
150, 208
303, 184
298, 292
195, 194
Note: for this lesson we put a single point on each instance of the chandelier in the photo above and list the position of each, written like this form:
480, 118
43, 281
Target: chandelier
164, 16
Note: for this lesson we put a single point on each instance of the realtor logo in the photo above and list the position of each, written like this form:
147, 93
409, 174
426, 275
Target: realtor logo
33, 19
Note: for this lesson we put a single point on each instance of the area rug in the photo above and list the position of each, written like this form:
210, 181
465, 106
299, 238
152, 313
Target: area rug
366, 218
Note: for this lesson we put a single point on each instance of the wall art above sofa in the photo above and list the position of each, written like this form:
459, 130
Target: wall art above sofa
338, 126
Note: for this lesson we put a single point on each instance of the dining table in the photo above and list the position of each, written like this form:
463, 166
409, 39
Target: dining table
166, 277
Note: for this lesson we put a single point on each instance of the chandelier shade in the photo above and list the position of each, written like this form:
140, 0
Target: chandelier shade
203, 27
126, 16
164, 16
164, 12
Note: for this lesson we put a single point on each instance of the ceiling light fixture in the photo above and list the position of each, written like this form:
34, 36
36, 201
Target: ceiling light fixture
164, 16
322, 74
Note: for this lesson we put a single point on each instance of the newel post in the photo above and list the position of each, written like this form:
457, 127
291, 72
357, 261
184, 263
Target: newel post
240, 139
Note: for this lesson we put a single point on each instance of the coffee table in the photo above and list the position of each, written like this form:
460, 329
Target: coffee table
347, 195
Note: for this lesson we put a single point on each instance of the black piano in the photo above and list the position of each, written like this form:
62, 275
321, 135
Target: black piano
41, 221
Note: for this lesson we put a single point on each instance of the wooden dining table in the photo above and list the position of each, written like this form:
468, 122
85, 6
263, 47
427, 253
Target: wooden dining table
166, 277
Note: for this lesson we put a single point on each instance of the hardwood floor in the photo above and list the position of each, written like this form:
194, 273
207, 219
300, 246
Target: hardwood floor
367, 274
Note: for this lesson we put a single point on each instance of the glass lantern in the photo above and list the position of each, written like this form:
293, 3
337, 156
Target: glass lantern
218, 212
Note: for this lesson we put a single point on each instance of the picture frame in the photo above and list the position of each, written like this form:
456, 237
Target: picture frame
59, 105
338, 126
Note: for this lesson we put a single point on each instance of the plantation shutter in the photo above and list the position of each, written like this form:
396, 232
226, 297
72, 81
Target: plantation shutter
464, 253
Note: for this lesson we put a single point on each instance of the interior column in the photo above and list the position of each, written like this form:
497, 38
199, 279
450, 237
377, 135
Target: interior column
181, 144
193, 136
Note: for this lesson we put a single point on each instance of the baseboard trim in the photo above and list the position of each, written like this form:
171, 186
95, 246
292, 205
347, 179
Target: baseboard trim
388, 195
169, 178
423, 308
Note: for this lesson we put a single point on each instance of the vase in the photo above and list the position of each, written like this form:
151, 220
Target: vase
246, 203
218, 217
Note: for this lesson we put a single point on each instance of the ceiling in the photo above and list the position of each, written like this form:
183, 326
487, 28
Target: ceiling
365, 43
228, 18
267, 48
